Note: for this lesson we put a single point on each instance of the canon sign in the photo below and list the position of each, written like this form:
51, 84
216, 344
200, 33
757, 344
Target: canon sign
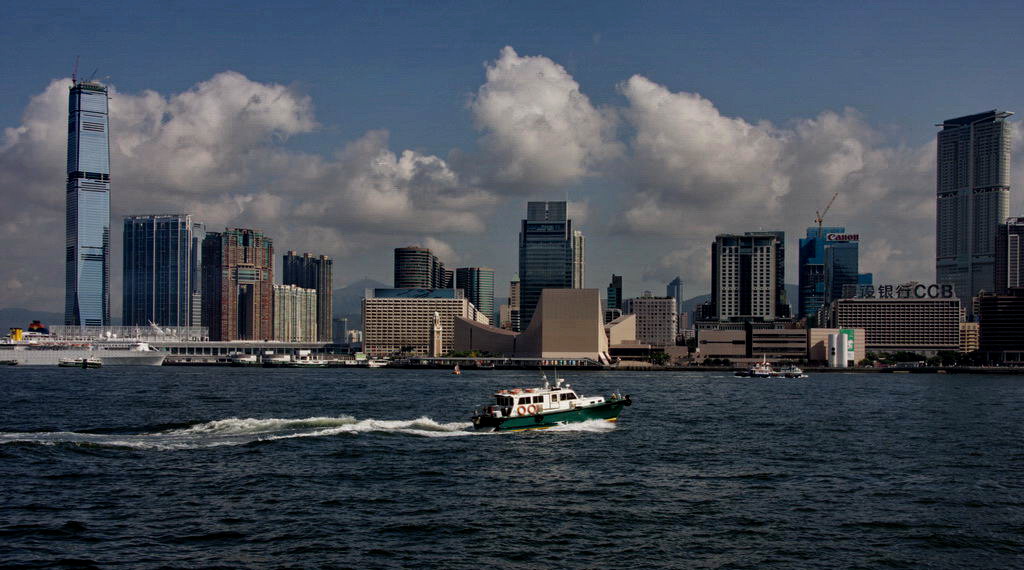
843, 237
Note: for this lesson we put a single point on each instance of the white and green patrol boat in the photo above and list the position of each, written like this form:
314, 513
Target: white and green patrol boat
545, 407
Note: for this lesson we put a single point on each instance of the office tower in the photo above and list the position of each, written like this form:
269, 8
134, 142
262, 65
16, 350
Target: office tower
674, 289
295, 314
578, 260
514, 307
162, 270
973, 198
478, 285
744, 277
828, 265
656, 319
782, 309
238, 278
87, 202
1009, 255
614, 300
312, 272
418, 268
545, 254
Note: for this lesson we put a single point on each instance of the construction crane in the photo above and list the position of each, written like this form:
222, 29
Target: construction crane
819, 217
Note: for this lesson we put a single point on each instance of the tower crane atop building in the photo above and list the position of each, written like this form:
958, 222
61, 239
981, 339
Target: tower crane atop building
819, 217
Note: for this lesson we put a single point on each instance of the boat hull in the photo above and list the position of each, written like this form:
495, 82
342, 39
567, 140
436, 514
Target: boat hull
109, 357
608, 411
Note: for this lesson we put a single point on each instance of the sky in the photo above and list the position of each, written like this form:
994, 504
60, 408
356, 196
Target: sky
349, 129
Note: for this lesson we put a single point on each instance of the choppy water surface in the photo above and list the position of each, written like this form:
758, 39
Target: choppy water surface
173, 467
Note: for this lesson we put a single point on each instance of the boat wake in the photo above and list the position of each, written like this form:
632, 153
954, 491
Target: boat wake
243, 431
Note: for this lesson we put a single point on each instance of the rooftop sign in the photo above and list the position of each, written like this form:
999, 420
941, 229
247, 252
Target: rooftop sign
842, 237
907, 291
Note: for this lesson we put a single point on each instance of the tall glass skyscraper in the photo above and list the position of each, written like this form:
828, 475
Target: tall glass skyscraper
87, 222
973, 198
418, 268
546, 254
811, 269
162, 270
478, 285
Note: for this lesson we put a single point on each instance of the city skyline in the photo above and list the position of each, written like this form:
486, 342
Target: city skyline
654, 163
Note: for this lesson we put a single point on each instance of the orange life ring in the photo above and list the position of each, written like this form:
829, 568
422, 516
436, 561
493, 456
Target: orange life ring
521, 410
532, 409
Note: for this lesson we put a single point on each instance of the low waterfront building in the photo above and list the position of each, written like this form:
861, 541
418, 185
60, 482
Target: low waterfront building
818, 351
922, 325
401, 321
295, 314
656, 319
969, 337
748, 341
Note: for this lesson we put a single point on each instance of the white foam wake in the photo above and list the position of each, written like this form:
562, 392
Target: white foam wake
241, 431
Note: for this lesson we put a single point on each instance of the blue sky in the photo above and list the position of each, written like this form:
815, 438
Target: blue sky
414, 69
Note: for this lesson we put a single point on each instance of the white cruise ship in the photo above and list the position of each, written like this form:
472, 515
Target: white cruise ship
39, 347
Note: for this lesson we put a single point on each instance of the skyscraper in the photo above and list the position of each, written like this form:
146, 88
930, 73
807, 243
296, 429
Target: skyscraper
782, 309
478, 285
515, 291
744, 277
829, 260
162, 270
238, 279
546, 258
418, 268
578, 260
614, 300
973, 198
87, 224
295, 314
674, 289
310, 272
1009, 255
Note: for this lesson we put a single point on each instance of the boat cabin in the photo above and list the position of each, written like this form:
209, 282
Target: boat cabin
532, 401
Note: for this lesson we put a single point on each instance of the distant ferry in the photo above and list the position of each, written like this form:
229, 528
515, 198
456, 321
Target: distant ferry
37, 347
545, 407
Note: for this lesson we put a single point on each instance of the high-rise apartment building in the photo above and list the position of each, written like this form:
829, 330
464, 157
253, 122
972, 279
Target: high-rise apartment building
782, 309
418, 268
515, 290
1009, 255
656, 319
546, 254
745, 277
578, 260
87, 203
162, 270
238, 279
312, 272
478, 285
973, 198
295, 314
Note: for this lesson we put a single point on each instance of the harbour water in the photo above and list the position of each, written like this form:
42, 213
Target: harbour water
172, 467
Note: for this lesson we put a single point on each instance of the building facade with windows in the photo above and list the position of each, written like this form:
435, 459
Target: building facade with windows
418, 268
477, 283
745, 276
313, 272
1009, 255
238, 279
295, 314
162, 280
400, 321
87, 208
925, 326
546, 254
972, 199
656, 319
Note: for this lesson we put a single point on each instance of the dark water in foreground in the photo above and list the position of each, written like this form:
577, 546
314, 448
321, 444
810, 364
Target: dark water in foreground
172, 467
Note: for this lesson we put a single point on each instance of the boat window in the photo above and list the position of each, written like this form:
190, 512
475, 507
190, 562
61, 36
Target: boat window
525, 400
572, 396
564, 396
538, 399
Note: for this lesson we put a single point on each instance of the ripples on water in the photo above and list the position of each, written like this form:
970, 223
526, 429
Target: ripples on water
381, 469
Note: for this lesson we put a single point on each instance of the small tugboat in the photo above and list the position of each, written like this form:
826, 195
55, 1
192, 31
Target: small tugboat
90, 362
545, 407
